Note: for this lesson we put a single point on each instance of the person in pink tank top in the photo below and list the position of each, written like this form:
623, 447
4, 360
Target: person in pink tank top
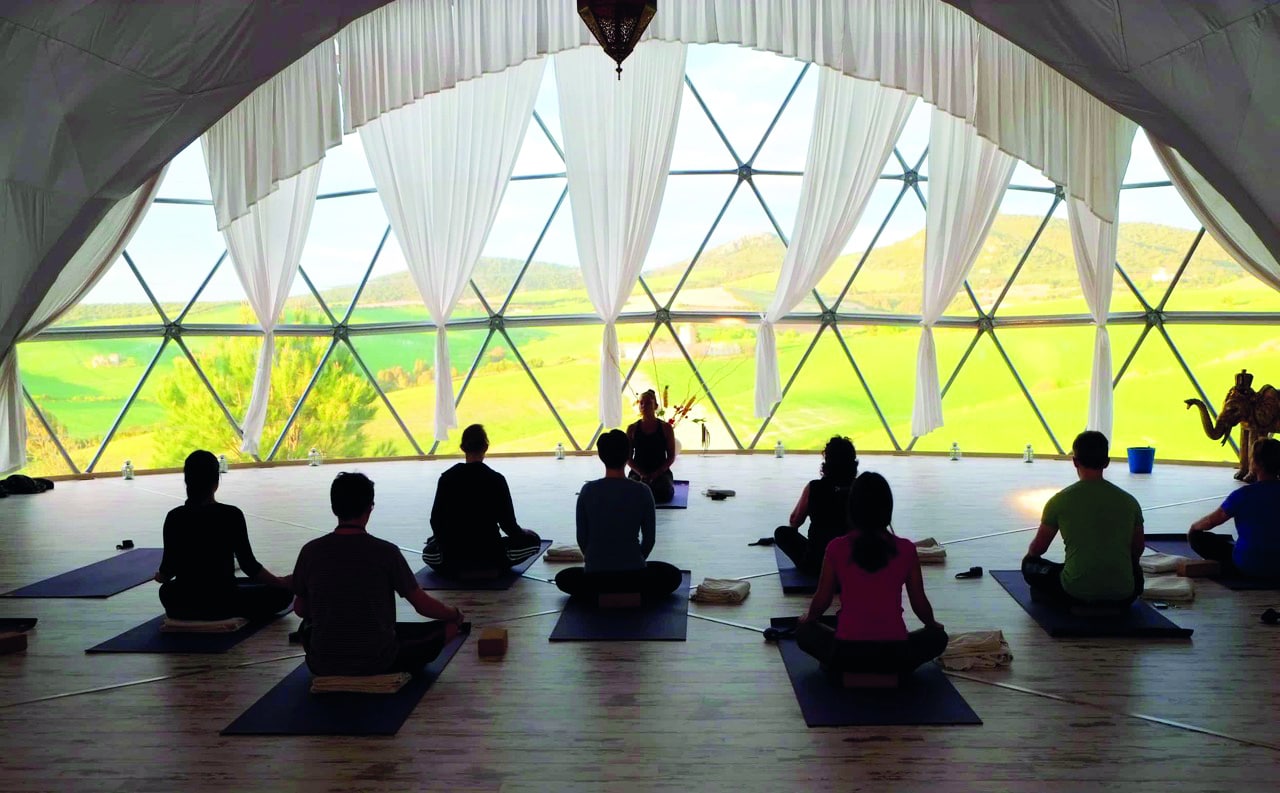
869, 567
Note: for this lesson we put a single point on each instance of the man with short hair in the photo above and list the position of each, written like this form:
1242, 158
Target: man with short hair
472, 504
345, 585
1101, 528
1256, 510
616, 532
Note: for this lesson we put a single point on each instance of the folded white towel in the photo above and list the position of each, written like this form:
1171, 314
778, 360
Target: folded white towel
1171, 588
563, 553
1159, 562
930, 552
976, 650
360, 684
721, 590
232, 625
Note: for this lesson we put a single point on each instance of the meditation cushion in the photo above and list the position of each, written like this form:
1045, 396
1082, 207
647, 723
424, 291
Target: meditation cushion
12, 642
1160, 562
564, 553
865, 680
721, 590
493, 643
619, 600
170, 625
930, 552
360, 684
1169, 588
1198, 568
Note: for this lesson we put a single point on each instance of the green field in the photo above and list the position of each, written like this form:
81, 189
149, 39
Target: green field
82, 385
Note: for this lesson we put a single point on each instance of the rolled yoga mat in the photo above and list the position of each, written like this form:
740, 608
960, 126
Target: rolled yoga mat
680, 498
98, 580
665, 620
147, 638
793, 581
291, 709
430, 579
926, 697
1141, 620
1177, 545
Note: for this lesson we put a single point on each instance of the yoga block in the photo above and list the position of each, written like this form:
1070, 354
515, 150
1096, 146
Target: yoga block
1099, 611
620, 600
1198, 568
493, 643
12, 642
863, 680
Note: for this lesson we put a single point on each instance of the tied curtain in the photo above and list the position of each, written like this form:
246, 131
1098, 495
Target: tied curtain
967, 178
266, 248
99, 251
856, 123
441, 166
618, 138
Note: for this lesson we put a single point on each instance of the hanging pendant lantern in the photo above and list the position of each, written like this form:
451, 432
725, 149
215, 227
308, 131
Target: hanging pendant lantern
617, 24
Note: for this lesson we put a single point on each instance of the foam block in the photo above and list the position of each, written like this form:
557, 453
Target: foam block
12, 642
1198, 568
493, 643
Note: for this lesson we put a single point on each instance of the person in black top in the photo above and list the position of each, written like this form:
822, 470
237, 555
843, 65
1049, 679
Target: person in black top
203, 541
825, 503
346, 583
653, 450
472, 504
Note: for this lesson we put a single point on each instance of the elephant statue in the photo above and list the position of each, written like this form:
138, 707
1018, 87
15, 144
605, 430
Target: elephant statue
1256, 412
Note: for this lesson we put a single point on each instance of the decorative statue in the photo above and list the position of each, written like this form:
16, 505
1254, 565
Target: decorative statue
1257, 413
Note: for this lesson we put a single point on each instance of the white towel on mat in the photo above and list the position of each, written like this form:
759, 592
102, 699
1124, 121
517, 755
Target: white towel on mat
930, 552
563, 553
1170, 588
976, 650
1159, 562
232, 625
360, 684
721, 590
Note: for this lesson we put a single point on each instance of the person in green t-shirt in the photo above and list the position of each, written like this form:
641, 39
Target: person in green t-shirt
1101, 528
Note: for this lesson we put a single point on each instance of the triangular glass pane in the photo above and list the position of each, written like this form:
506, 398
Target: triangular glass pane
1048, 283
174, 249
984, 409
117, 299
343, 239
698, 146
172, 416
1015, 226
1027, 175
525, 211
187, 178
1213, 281
881, 353
914, 140
787, 146
1156, 231
403, 366
391, 295
345, 168
742, 108
892, 278
501, 397
547, 104
553, 283
689, 208
566, 361
537, 154
1144, 166
724, 353
223, 300
43, 457
826, 398
1149, 409
81, 386
1056, 365
337, 417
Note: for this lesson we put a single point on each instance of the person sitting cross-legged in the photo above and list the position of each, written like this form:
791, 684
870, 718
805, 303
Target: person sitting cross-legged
345, 585
1255, 553
616, 532
203, 541
653, 450
472, 504
870, 567
1102, 531
825, 502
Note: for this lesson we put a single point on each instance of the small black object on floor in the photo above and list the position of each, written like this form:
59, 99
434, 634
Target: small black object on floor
1271, 617
972, 572
17, 624
763, 542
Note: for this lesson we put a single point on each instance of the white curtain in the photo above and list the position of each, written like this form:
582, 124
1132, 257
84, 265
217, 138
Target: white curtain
441, 166
618, 137
855, 125
82, 272
967, 178
1219, 218
277, 132
266, 248
1093, 240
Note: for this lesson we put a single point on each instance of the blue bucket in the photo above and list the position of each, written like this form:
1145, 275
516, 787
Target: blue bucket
1141, 459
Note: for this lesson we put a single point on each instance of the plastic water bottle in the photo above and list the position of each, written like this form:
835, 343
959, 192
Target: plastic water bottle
313, 457
559, 451
127, 471
955, 451
778, 451
223, 467
1027, 455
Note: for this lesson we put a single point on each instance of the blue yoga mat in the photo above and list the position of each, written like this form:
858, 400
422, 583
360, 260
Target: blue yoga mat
666, 620
291, 709
793, 581
99, 580
17, 624
1177, 545
147, 638
1141, 620
927, 697
430, 579
680, 498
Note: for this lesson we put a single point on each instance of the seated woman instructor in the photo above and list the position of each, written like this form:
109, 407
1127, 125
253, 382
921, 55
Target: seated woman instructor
653, 450
825, 502
870, 567
203, 541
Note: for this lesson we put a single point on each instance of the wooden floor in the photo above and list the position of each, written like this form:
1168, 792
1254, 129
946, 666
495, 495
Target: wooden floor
714, 713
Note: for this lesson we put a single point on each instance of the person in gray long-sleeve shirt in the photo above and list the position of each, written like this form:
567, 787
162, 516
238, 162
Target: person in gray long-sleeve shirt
615, 518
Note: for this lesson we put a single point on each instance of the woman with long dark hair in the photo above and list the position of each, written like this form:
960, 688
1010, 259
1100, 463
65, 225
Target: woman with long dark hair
203, 541
870, 566
824, 502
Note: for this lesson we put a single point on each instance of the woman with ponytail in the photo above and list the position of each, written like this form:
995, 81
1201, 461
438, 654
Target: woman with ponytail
870, 566
825, 503
203, 541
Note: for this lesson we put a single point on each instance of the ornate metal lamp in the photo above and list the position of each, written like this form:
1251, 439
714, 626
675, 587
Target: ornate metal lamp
617, 24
